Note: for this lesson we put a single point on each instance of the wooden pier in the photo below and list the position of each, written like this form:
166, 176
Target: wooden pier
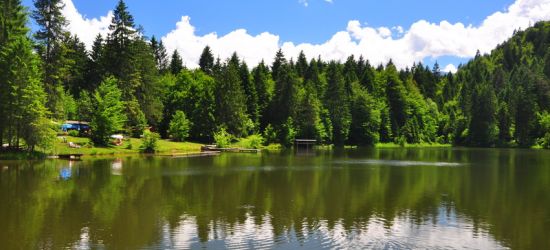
214, 148
195, 154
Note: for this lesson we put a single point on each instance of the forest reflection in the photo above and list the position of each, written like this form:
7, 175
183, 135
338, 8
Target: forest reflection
394, 198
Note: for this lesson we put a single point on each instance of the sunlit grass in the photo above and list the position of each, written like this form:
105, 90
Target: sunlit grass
130, 146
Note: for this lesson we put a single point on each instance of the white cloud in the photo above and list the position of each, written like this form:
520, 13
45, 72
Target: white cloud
190, 46
450, 68
422, 39
303, 2
86, 29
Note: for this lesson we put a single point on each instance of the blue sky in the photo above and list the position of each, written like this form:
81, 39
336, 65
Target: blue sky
314, 22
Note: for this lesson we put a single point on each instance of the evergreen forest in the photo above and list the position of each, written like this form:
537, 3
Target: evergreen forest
128, 82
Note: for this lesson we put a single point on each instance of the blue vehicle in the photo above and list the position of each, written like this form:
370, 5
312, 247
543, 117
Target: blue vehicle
75, 125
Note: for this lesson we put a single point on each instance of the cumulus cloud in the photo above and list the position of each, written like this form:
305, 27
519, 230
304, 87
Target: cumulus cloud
450, 68
378, 44
86, 29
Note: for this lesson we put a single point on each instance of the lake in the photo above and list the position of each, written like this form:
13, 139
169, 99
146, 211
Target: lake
355, 198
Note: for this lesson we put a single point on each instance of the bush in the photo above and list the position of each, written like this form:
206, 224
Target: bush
179, 126
73, 133
149, 143
270, 136
287, 133
222, 138
253, 141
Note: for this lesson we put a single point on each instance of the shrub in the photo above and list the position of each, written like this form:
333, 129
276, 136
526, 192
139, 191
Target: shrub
73, 133
253, 141
222, 138
149, 143
270, 136
179, 126
287, 133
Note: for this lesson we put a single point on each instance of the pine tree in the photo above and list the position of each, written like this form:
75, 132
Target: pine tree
525, 106
48, 16
148, 93
206, 61
176, 63
337, 104
118, 49
301, 65
51, 21
95, 69
308, 116
285, 96
230, 100
108, 116
365, 119
161, 58
277, 63
24, 117
483, 125
263, 84
251, 95
77, 56
397, 103
13, 20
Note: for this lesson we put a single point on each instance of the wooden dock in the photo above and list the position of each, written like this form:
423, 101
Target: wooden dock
195, 154
213, 148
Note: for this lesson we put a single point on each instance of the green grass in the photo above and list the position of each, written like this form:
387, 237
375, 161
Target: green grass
164, 146
419, 145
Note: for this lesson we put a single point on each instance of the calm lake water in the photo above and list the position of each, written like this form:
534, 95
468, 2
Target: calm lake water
360, 198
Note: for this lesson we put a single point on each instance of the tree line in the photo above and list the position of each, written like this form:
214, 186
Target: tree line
129, 82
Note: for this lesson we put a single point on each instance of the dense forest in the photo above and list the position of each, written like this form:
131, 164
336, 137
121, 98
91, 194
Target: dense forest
130, 82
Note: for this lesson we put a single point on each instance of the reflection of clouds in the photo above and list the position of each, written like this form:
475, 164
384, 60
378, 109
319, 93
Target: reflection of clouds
116, 167
444, 232
182, 236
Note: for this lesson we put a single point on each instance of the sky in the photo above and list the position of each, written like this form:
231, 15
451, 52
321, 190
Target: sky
449, 32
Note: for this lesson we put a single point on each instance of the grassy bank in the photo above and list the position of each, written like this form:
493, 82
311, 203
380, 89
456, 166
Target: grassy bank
419, 145
130, 146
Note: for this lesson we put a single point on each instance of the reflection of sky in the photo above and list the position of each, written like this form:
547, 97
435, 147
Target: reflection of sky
447, 231
116, 167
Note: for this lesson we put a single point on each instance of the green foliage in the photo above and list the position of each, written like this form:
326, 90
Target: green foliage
108, 117
206, 62
495, 99
287, 133
337, 104
176, 63
230, 99
193, 93
365, 121
269, 135
483, 129
149, 143
179, 126
135, 118
308, 116
253, 141
23, 110
544, 123
222, 138
73, 133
